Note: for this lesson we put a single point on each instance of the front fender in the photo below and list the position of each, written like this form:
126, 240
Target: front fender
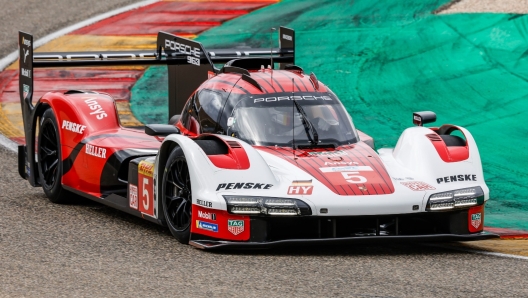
81, 114
416, 154
206, 178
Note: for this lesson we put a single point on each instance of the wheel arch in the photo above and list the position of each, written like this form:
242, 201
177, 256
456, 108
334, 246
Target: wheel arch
415, 151
205, 176
93, 111
196, 157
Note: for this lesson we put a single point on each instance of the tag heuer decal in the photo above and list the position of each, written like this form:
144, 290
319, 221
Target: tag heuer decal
25, 90
476, 220
235, 226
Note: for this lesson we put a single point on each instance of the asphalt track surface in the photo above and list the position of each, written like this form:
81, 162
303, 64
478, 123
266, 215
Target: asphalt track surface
87, 249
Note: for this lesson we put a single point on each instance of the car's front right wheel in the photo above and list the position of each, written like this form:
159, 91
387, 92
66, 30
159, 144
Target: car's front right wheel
177, 196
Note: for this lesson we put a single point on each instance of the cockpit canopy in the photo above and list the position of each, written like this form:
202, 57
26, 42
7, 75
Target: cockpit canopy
270, 119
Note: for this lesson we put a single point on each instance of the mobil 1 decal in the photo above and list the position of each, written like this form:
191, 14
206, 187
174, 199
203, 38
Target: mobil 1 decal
219, 224
146, 187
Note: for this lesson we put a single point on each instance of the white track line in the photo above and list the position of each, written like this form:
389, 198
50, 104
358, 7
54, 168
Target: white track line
7, 60
7, 143
482, 252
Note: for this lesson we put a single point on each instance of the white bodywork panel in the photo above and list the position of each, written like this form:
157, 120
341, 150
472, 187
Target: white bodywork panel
414, 159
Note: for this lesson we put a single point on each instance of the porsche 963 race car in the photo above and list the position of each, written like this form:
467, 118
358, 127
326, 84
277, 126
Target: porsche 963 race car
254, 155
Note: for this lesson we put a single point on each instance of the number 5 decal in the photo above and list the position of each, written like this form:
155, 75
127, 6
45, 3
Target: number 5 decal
145, 201
145, 185
352, 177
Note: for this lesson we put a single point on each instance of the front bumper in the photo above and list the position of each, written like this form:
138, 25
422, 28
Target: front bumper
270, 231
218, 244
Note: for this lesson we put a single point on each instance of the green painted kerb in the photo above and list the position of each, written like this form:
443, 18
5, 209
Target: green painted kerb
386, 59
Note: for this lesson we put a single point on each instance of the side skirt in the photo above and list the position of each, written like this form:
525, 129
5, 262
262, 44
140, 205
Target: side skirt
114, 201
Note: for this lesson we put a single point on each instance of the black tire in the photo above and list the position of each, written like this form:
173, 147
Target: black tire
177, 196
50, 159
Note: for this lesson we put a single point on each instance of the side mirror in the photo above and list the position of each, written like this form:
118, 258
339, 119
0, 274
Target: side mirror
161, 129
421, 118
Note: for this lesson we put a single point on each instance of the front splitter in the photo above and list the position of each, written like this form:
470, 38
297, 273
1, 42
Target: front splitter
219, 244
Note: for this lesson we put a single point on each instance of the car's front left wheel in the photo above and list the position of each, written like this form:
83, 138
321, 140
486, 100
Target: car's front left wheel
49, 159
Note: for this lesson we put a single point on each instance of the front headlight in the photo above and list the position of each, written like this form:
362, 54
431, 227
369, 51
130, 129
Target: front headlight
267, 206
464, 197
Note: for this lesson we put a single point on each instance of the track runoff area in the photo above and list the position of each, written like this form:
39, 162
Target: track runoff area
119, 30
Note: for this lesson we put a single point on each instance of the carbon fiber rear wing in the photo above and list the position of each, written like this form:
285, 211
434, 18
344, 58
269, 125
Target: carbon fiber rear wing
189, 65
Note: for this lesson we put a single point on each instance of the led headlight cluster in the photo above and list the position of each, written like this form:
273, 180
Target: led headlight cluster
263, 205
464, 197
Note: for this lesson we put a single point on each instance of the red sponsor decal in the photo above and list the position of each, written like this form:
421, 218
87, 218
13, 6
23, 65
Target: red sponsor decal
146, 168
146, 187
346, 178
476, 219
354, 177
418, 185
230, 226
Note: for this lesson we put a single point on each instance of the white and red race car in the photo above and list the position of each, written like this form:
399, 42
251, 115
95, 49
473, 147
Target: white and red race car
253, 156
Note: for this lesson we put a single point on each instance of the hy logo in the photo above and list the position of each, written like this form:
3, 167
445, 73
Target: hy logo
235, 226
476, 220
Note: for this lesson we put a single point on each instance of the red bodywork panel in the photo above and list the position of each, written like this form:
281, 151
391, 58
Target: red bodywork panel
476, 219
272, 81
366, 174
235, 159
219, 224
88, 161
146, 188
90, 135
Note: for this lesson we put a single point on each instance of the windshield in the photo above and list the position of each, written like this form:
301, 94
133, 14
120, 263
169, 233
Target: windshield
275, 120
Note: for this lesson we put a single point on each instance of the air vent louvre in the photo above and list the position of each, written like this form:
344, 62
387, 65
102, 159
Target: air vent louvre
233, 144
434, 137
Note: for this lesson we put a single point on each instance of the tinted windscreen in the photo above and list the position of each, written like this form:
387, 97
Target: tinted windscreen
275, 120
